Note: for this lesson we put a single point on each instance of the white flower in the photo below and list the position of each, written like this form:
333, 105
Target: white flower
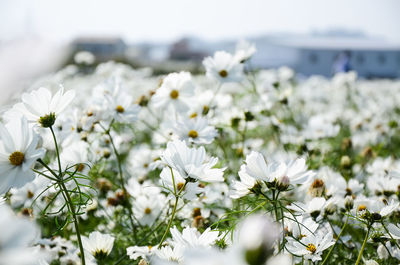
291, 172
195, 130
310, 246
244, 51
190, 189
16, 237
119, 105
135, 252
40, 106
258, 231
223, 67
18, 152
313, 207
190, 237
242, 187
98, 244
191, 162
147, 208
176, 90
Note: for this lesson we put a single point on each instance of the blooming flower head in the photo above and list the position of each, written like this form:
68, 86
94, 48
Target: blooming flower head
40, 106
311, 246
283, 173
223, 67
244, 51
195, 130
98, 244
191, 163
18, 152
176, 91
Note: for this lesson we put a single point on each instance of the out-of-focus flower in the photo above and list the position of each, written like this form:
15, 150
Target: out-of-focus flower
16, 238
177, 90
223, 67
195, 130
244, 51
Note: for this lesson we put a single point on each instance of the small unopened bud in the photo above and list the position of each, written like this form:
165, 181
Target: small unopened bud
330, 209
282, 183
345, 162
346, 144
143, 262
348, 203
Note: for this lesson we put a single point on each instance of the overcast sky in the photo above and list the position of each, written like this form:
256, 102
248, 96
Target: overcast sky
165, 20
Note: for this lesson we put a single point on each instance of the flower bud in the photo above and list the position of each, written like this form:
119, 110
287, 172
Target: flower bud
283, 183
345, 162
348, 203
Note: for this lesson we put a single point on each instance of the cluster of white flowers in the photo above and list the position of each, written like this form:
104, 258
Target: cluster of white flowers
231, 166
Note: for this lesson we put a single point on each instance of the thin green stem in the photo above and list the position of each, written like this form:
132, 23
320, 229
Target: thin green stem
362, 247
67, 196
173, 210
121, 179
340, 234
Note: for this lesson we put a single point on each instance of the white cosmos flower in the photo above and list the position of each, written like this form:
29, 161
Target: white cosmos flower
177, 90
98, 244
135, 252
310, 246
191, 162
244, 50
242, 187
223, 67
313, 207
190, 189
195, 130
18, 152
190, 237
40, 106
147, 208
16, 237
293, 171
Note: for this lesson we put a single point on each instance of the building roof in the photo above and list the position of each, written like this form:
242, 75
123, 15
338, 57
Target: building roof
340, 43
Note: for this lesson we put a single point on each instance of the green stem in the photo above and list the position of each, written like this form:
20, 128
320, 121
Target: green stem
173, 211
330, 251
362, 247
66, 196
121, 179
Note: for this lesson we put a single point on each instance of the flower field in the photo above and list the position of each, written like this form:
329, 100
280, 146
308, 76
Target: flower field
106, 164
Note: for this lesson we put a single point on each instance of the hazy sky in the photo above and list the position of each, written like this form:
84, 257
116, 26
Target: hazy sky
165, 20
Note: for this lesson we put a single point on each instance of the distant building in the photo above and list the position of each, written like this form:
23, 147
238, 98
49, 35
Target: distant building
368, 57
102, 47
182, 50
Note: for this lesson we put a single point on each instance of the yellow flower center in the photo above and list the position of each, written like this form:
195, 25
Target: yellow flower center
311, 248
120, 109
362, 207
147, 211
193, 115
80, 167
16, 158
174, 94
193, 134
180, 186
223, 73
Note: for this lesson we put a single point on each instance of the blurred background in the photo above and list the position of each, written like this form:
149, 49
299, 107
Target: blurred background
311, 36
